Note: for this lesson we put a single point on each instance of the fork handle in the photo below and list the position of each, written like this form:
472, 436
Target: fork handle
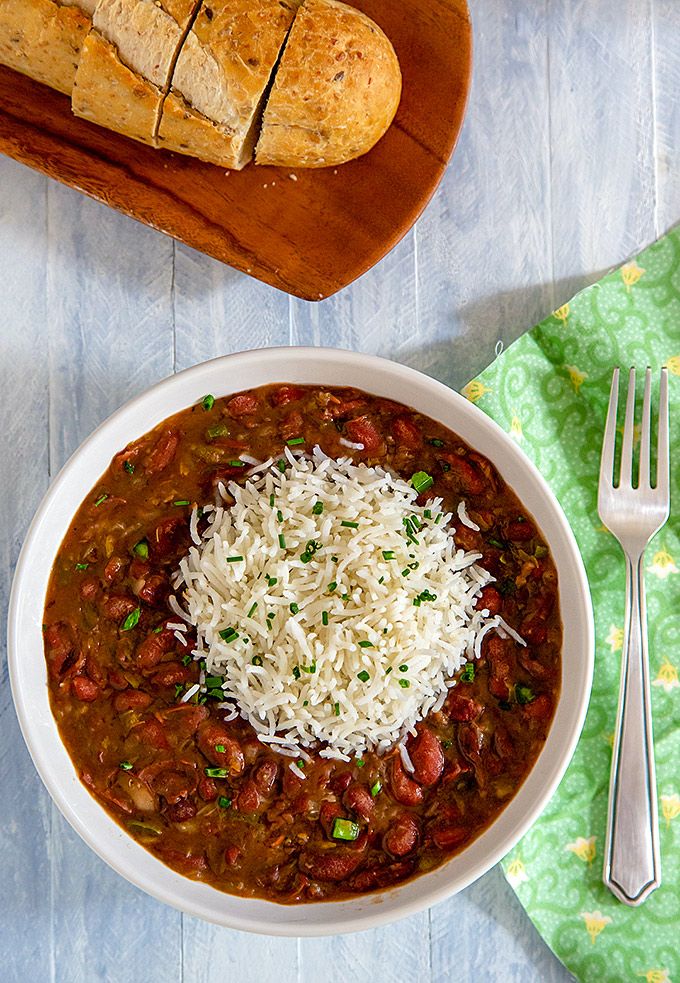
632, 866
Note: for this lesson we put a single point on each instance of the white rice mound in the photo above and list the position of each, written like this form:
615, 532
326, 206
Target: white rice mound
295, 678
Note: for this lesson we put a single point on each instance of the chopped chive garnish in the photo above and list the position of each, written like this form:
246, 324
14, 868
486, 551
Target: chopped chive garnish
125, 765
220, 748
253, 609
366, 644
282, 541
296, 672
334, 559
444, 466
131, 620
272, 499
349, 525
318, 508
496, 542
309, 669
223, 802
447, 744
186, 659
416, 602
279, 515
256, 660
427, 513
345, 829
271, 581
524, 694
336, 709
234, 559
426, 595
102, 498
294, 609
406, 572
281, 465
82, 566
468, 673
403, 668
141, 549
416, 522
376, 789
421, 481
388, 670
388, 554
324, 617
294, 441
178, 689
228, 634
216, 772
129, 467
438, 519
360, 762
306, 557
436, 442
305, 703
236, 463
363, 676
507, 587
181, 501
208, 402
331, 587
414, 565
404, 683
382, 580
212, 681
158, 629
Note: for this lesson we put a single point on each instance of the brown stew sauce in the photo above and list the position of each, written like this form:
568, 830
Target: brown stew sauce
205, 796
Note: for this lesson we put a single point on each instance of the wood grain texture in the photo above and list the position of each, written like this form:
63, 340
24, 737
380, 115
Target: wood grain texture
309, 236
569, 161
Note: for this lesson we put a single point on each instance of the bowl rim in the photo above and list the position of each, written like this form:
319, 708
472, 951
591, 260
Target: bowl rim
111, 843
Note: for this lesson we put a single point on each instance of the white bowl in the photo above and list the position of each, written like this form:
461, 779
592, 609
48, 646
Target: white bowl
27, 661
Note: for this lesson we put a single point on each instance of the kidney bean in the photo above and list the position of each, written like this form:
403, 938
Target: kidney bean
534, 667
152, 733
172, 673
291, 426
359, 799
503, 744
131, 699
89, 589
232, 856
374, 877
462, 474
182, 721
404, 789
520, 531
210, 736
117, 680
248, 799
498, 654
62, 656
96, 672
153, 648
116, 607
427, 756
186, 863
490, 599
402, 836
286, 394
341, 782
300, 805
84, 689
171, 784
453, 771
169, 535
539, 709
467, 539
153, 589
340, 408
362, 430
533, 631
181, 811
162, 453
447, 837
207, 789
114, 568
461, 708
406, 433
331, 865
244, 404
264, 776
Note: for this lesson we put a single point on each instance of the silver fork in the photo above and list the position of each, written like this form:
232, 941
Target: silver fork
632, 866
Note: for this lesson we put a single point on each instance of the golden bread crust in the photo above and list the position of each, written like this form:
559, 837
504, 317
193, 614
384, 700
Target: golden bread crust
43, 40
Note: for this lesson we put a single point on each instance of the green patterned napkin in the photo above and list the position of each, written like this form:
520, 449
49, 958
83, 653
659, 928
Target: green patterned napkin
550, 392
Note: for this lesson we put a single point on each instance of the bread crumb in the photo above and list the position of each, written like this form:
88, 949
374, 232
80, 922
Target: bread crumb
335, 171
265, 185
248, 270
293, 177
227, 173
273, 184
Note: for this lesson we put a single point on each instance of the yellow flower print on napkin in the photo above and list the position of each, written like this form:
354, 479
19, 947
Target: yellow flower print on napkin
562, 313
662, 565
583, 848
673, 364
516, 431
667, 676
475, 390
516, 873
630, 274
670, 807
615, 638
656, 976
596, 922
576, 377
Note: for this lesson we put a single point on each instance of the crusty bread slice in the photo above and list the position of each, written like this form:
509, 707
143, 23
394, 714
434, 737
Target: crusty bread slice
336, 90
43, 39
126, 63
214, 107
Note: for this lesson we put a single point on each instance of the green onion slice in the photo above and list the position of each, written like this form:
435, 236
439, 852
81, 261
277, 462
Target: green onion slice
208, 402
421, 481
82, 566
126, 765
216, 772
363, 676
349, 525
131, 620
376, 789
524, 694
102, 498
295, 441
141, 549
223, 802
345, 829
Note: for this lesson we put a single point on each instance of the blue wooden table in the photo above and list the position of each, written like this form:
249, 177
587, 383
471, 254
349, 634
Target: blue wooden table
568, 163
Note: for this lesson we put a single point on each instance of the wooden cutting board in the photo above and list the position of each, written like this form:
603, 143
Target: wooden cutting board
309, 233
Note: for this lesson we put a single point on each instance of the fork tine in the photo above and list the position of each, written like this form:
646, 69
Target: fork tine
645, 432
609, 439
662, 462
626, 478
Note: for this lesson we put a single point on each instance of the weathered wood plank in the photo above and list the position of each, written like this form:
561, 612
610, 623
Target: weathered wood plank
666, 51
110, 335
25, 812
